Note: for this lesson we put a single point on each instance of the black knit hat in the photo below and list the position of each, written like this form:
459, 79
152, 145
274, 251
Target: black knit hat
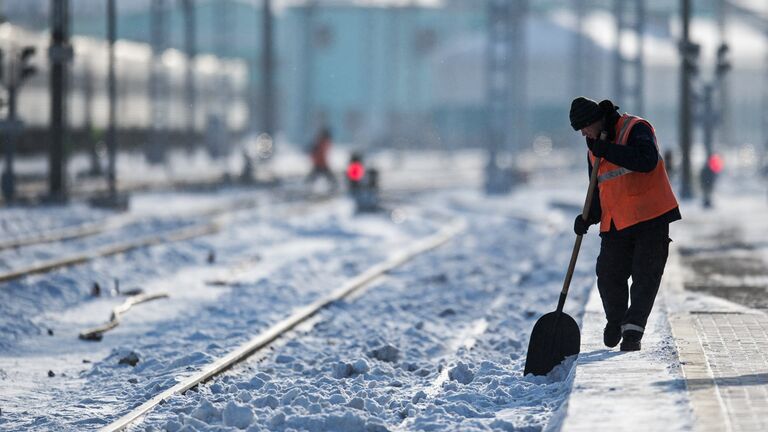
584, 112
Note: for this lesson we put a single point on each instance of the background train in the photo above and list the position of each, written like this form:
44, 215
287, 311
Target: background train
219, 94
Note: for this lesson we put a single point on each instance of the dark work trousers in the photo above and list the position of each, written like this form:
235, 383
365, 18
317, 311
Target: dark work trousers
641, 255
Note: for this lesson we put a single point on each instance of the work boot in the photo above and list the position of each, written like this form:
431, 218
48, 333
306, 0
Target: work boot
611, 335
631, 340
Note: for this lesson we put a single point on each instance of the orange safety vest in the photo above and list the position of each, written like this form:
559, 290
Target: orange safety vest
628, 197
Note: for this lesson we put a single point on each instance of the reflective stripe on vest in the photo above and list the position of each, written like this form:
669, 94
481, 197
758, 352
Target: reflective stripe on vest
613, 174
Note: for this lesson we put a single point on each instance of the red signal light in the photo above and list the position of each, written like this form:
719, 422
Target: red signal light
355, 171
715, 163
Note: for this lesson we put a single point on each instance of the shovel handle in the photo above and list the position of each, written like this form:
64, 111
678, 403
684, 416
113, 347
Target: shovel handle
577, 244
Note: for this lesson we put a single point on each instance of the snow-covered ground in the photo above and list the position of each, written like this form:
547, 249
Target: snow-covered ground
436, 344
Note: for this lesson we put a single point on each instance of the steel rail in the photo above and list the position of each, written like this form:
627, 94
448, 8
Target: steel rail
92, 228
298, 316
97, 227
180, 234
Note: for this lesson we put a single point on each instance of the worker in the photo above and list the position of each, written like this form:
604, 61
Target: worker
634, 205
708, 176
319, 150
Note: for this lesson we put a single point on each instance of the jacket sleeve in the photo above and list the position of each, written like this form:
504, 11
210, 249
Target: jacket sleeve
640, 153
595, 211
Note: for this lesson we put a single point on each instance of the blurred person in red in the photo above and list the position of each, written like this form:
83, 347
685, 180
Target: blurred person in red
319, 150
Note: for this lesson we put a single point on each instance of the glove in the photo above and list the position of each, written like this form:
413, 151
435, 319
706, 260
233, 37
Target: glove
598, 147
580, 226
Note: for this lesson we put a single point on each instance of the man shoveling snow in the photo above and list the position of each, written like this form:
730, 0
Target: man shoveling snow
634, 205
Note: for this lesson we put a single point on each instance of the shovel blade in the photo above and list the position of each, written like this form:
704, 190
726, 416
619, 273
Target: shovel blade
554, 337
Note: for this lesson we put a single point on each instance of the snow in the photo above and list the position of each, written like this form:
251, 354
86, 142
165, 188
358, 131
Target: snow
435, 344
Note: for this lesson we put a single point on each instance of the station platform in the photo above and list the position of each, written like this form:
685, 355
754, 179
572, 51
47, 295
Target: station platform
704, 362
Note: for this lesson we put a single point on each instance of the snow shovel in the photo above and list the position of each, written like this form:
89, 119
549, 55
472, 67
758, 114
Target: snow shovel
556, 336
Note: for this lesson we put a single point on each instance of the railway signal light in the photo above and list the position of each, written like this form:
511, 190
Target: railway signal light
690, 52
715, 163
20, 70
27, 70
723, 64
355, 171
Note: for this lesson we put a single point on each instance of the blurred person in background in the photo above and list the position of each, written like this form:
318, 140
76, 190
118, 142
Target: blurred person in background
708, 176
634, 205
318, 153
669, 163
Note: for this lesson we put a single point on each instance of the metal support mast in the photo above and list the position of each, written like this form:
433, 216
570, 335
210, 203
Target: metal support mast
505, 83
112, 91
11, 130
267, 71
158, 88
628, 69
686, 74
498, 86
60, 54
579, 73
724, 99
306, 93
224, 21
190, 47
518, 77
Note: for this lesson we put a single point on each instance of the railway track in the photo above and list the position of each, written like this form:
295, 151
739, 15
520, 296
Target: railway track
217, 220
112, 224
300, 316
117, 222
217, 217
394, 187
279, 332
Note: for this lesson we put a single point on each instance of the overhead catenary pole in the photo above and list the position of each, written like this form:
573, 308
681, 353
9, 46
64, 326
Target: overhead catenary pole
11, 130
709, 118
60, 54
498, 91
686, 70
628, 70
724, 99
112, 91
369, 62
224, 22
190, 47
578, 76
306, 79
518, 77
618, 56
267, 68
505, 87
157, 83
